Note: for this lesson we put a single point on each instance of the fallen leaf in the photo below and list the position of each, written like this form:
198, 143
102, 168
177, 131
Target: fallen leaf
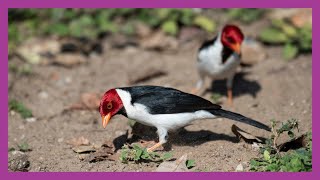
83, 149
68, 60
175, 166
244, 135
78, 141
106, 152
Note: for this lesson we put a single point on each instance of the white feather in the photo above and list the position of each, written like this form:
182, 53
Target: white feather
210, 62
141, 114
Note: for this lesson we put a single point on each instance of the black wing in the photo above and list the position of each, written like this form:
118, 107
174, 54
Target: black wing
162, 100
207, 43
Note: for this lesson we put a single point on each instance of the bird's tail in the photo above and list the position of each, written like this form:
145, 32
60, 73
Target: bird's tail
240, 118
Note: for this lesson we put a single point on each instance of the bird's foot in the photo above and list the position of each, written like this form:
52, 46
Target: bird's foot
154, 147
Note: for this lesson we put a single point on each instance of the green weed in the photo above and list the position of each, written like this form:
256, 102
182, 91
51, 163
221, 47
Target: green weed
137, 154
273, 160
20, 108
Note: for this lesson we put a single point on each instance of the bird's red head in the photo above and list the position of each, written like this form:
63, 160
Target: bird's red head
110, 105
232, 37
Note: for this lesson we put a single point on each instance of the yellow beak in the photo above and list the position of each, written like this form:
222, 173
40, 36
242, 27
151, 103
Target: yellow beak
105, 120
237, 48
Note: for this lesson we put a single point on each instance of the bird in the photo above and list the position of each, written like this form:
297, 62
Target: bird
166, 109
219, 58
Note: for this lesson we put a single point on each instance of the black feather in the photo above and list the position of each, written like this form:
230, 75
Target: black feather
208, 43
240, 118
162, 100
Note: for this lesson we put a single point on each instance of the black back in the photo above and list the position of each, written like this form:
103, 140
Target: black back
163, 100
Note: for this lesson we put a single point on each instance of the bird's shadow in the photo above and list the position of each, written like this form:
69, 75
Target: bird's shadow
181, 137
241, 86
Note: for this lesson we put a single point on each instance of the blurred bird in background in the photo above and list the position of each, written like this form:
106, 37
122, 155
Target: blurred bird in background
219, 58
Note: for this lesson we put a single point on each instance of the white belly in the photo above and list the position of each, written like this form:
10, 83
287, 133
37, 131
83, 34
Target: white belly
140, 113
211, 65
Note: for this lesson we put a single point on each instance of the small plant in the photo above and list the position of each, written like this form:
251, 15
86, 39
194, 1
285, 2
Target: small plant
138, 154
20, 108
24, 147
294, 39
274, 160
190, 163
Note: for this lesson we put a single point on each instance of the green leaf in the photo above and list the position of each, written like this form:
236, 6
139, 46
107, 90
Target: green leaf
273, 36
285, 27
190, 163
138, 155
170, 27
24, 147
289, 52
266, 155
205, 23
166, 156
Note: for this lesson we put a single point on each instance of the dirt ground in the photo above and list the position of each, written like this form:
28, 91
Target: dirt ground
271, 89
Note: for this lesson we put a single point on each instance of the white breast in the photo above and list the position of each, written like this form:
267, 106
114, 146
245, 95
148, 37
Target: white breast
140, 113
210, 61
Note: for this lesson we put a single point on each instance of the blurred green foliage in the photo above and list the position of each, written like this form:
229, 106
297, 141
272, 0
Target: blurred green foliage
296, 40
90, 23
20, 108
247, 15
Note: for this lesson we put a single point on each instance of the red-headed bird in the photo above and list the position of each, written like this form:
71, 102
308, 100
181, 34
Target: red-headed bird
167, 109
219, 58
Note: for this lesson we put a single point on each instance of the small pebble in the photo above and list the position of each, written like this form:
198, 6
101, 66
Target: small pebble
32, 119
60, 140
239, 168
43, 95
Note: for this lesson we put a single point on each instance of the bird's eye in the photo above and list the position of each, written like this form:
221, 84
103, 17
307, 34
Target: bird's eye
109, 105
229, 39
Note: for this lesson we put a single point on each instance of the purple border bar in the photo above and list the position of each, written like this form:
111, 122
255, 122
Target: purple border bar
5, 4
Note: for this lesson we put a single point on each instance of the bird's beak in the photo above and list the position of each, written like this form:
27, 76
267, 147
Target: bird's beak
105, 120
237, 48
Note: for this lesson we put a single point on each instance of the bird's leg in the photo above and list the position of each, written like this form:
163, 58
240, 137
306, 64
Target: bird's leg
163, 135
229, 90
196, 90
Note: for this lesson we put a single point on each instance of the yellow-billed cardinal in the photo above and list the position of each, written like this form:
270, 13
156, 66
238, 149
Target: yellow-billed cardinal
164, 108
219, 58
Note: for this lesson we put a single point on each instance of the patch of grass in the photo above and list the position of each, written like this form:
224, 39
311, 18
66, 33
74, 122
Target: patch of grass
292, 161
138, 154
20, 108
190, 163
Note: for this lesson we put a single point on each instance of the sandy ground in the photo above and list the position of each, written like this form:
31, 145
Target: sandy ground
271, 89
